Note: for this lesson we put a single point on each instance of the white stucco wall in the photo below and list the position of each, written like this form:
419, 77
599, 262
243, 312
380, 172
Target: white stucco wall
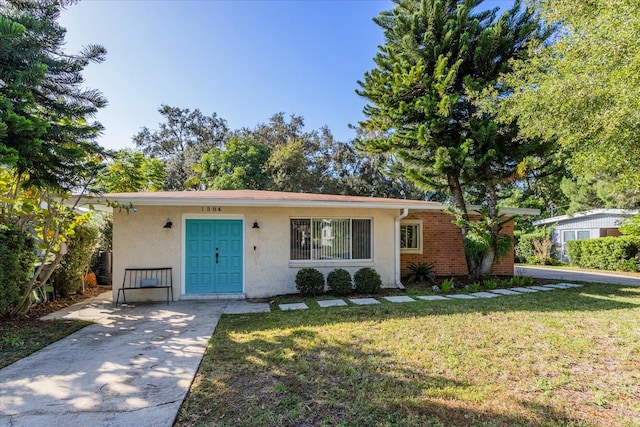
139, 240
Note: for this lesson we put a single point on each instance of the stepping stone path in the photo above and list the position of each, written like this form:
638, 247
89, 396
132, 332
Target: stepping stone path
524, 290
484, 295
331, 303
504, 292
294, 306
563, 285
404, 298
433, 298
540, 288
364, 301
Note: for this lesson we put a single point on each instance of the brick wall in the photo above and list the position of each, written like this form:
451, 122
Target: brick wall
442, 246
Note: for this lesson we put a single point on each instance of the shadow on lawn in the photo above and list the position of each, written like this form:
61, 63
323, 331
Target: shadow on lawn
297, 378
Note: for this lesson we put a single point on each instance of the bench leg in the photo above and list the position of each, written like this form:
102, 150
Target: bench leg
124, 298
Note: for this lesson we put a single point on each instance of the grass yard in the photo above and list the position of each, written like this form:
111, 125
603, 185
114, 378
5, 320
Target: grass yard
566, 357
21, 336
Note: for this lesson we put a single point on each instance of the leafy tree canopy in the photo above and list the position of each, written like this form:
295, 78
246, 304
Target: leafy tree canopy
437, 59
45, 134
180, 141
130, 171
237, 166
584, 88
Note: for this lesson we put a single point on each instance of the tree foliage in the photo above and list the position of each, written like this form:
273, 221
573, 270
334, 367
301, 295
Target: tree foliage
437, 59
131, 171
180, 141
586, 192
44, 133
584, 88
238, 166
47, 141
282, 156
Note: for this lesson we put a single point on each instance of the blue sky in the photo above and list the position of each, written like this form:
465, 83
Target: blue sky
244, 60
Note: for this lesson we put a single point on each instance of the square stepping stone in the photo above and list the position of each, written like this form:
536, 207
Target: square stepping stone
462, 296
562, 286
570, 285
432, 298
244, 307
554, 286
539, 288
294, 306
364, 301
504, 292
331, 303
400, 298
523, 290
484, 295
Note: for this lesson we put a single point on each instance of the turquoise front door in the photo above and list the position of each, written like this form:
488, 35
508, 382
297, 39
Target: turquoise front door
213, 256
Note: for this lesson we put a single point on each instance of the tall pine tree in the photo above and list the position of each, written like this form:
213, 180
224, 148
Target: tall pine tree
438, 58
45, 135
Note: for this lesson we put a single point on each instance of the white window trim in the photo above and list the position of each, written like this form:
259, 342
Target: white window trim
575, 234
367, 262
419, 249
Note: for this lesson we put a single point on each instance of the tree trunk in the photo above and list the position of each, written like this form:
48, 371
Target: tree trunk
453, 181
486, 263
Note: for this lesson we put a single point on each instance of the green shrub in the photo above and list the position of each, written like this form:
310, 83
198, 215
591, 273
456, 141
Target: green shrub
447, 285
339, 282
17, 258
421, 272
604, 253
68, 278
535, 248
631, 226
367, 281
522, 280
489, 284
310, 282
474, 287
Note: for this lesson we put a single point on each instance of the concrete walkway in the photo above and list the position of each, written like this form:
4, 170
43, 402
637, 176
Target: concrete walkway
133, 368
580, 276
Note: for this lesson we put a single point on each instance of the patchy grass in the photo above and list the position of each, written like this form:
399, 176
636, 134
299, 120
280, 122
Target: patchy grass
21, 336
567, 357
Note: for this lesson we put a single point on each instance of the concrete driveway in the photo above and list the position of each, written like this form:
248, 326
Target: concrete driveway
572, 275
133, 368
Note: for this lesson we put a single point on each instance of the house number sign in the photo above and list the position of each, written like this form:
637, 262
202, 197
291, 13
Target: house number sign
211, 209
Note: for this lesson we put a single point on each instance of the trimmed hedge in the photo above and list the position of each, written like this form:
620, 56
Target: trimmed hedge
68, 278
535, 248
339, 282
17, 258
605, 253
367, 281
310, 282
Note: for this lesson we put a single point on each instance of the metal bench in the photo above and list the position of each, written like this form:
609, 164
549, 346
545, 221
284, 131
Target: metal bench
146, 278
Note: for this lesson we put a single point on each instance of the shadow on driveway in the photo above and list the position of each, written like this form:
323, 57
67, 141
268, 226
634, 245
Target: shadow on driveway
133, 368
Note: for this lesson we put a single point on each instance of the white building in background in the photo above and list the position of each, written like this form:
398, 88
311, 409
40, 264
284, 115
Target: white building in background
584, 225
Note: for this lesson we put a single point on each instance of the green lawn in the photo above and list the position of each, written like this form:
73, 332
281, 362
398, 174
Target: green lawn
20, 337
567, 357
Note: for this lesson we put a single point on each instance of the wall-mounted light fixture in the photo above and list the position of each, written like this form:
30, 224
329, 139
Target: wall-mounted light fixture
168, 224
255, 224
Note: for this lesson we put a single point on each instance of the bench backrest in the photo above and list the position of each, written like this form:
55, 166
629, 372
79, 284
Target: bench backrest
147, 277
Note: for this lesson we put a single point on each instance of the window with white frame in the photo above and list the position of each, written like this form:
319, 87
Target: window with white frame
330, 239
569, 235
411, 236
